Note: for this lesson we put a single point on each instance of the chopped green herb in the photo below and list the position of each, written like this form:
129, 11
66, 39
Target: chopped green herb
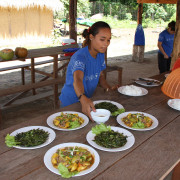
30, 138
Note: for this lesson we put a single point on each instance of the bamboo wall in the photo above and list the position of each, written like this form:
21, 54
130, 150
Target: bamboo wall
25, 22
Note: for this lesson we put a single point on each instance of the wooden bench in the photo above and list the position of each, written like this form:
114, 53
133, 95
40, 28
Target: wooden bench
27, 65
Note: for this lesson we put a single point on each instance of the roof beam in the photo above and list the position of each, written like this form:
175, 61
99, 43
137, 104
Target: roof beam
158, 1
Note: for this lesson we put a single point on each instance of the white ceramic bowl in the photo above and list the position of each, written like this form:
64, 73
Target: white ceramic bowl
101, 115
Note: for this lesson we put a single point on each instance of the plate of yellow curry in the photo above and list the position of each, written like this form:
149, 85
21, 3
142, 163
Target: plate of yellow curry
139, 121
67, 120
71, 159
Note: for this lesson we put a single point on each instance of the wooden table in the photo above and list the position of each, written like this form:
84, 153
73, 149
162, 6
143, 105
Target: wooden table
33, 55
153, 153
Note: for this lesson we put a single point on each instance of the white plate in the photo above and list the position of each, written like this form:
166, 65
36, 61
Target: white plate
53, 116
130, 140
144, 83
115, 103
52, 136
120, 116
171, 103
144, 91
50, 152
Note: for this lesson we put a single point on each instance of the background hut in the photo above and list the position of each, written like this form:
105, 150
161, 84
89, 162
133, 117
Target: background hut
27, 18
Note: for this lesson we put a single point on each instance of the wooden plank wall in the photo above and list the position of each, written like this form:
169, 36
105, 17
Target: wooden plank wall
158, 1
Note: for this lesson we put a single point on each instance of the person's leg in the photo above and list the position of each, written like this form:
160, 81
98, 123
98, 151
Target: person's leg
162, 63
168, 64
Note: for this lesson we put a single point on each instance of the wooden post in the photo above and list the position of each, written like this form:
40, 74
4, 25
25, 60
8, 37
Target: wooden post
135, 53
176, 46
138, 50
55, 76
72, 19
140, 12
32, 75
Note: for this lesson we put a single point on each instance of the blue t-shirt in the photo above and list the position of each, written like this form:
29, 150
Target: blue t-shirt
167, 40
82, 60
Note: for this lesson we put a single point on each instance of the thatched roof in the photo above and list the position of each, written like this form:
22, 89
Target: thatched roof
20, 4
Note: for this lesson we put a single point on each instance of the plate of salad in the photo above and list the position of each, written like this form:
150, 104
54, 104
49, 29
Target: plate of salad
67, 120
110, 138
114, 107
30, 137
139, 121
71, 159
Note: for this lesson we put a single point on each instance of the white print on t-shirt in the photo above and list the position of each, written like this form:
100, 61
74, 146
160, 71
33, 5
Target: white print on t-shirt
78, 65
91, 77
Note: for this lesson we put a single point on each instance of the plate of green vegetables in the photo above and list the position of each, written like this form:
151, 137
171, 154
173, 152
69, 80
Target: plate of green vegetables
30, 137
110, 138
114, 107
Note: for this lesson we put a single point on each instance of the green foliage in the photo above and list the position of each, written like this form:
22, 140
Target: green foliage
173, 17
56, 37
163, 12
116, 23
128, 16
83, 8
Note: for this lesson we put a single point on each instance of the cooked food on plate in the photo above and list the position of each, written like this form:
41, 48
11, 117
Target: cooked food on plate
72, 160
68, 121
137, 120
30, 138
111, 107
108, 138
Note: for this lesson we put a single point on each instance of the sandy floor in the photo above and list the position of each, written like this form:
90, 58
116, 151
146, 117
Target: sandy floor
119, 54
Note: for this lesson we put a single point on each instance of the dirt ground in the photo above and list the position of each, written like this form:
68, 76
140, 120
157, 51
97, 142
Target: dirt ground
119, 54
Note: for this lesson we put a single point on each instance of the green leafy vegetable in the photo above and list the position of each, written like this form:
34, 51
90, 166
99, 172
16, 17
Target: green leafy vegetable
65, 173
110, 139
30, 138
138, 125
100, 128
10, 141
74, 124
111, 107
119, 111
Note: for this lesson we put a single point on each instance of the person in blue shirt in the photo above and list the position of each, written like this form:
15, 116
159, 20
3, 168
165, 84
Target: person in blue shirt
165, 45
85, 69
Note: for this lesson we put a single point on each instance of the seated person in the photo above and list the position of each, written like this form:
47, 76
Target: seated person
85, 69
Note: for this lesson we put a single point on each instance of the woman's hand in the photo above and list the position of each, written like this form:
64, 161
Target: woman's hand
166, 56
87, 106
112, 88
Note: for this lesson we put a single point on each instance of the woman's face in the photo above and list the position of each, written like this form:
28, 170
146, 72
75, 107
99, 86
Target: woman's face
101, 41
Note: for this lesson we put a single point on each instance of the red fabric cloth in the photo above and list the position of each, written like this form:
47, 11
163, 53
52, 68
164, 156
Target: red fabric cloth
176, 64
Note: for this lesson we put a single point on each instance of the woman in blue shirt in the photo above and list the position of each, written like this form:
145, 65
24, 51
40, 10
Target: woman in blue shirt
85, 68
165, 45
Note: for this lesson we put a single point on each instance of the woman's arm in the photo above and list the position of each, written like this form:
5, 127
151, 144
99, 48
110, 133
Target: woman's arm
162, 50
86, 103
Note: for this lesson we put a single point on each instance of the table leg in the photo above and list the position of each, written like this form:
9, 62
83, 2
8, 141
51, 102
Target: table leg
32, 75
55, 75
22, 75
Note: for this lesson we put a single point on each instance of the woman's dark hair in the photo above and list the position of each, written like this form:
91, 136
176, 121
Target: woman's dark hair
94, 30
172, 25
